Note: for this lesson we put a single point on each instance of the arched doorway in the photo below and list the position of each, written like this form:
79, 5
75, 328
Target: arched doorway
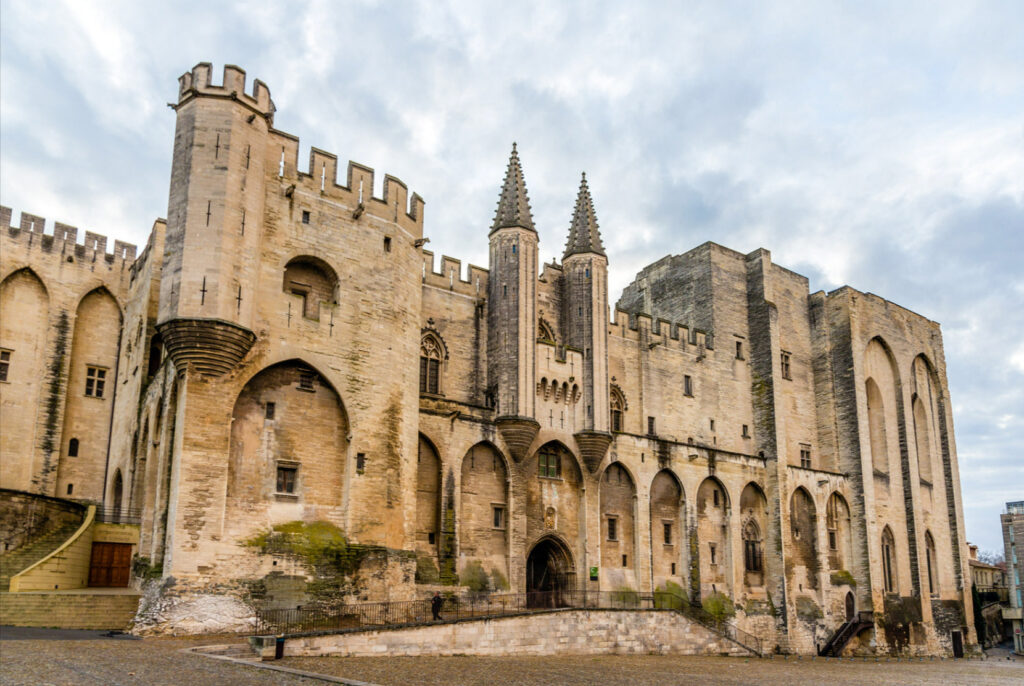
850, 606
549, 573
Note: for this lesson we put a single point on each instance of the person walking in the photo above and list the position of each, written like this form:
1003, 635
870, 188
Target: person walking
435, 605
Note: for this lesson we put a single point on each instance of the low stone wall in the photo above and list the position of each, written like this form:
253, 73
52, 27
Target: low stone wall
26, 516
69, 610
565, 632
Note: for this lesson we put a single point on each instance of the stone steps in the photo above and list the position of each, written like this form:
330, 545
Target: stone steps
25, 556
69, 610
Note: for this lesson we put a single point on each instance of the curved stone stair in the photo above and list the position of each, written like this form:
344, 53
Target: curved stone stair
27, 555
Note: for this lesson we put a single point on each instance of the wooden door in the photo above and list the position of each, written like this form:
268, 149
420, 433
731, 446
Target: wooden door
111, 564
849, 607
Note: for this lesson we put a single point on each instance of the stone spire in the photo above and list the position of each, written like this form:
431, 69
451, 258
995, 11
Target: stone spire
584, 234
513, 205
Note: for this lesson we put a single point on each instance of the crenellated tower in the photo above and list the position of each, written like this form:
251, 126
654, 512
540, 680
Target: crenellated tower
585, 320
512, 313
214, 217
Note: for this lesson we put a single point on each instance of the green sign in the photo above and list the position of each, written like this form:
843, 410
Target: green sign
593, 573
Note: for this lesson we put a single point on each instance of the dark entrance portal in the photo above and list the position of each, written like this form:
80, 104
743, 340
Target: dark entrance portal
849, 607
549, 574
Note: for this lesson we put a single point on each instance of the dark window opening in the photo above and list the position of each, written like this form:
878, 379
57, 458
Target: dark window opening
286, 479
752, 555
667, 531
270, 410
650, 426
360, 463
746, 431
713, 549
305, 216
833, 543
306, 380
688, 386
5, 364
71, 488
431, 538
739, 350
613, 529
625, 560
673, 569
712, 422
73, 447
498, 517
156, 345
715, 496
95, 380
805, 456
786, 371
387, 243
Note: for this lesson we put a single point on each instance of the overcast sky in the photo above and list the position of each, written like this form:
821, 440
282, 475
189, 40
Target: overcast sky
875, 144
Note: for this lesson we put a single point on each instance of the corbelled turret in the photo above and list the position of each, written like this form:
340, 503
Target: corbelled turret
512, 313
585, 319
584, 233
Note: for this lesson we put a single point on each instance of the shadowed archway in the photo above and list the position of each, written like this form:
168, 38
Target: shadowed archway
549, 572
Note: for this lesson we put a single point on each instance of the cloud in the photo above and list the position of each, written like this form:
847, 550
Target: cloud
870, 144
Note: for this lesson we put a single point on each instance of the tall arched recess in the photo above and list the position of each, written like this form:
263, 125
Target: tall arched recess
753, 528
428, 499
483, 510
289, 446
24, 312
618, 527
668, 530
91, 385
714, 558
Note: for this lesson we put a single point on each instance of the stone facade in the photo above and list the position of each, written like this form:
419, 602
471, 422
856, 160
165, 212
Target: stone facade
285, 350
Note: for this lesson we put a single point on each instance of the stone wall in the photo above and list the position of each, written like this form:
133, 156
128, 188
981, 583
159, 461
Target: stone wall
570, 632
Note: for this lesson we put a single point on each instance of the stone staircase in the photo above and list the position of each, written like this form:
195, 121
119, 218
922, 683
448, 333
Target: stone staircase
84, 609
25, 556
842, 636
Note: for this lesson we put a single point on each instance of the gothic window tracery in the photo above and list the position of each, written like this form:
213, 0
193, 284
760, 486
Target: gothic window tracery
431, 353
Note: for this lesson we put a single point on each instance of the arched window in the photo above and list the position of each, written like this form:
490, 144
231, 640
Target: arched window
431, 353
314, 281
544, 332
752, 553
73, 447
889, 560
618, 408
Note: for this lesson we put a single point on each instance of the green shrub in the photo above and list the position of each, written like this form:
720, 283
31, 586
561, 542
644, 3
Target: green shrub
843, 577
498, 580
426, 570
474, 577
669, 596
719, 606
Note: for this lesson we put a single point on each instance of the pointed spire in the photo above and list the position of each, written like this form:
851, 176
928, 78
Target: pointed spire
513, 205
584, 234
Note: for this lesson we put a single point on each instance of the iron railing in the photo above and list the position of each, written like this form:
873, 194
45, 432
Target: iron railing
355, 617
993, 594
118, 515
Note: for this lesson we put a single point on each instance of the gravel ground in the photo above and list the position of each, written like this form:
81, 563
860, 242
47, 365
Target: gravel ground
87, 658
614, 670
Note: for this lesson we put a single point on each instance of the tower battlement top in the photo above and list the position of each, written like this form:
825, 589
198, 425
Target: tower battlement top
34, 226
199, 81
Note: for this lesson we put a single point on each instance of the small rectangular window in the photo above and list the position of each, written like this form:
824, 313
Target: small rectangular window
306, 381
746, 431
270, 409
715, 496
5, 364
498, 517
650, 426
805, 456
360, 463
613, 529
305, 216
431, 538
786, 371
832, 543
625, 560
739, 350
712, 424
387, 243
673, 569
667, 530
714, 559
286, 478
95, 380
71, 488
688, 386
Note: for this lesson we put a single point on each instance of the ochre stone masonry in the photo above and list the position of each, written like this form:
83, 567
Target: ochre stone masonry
284, 350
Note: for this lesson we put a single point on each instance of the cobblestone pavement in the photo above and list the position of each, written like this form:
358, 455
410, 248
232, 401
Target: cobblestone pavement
55, 660
642, 670
112, 662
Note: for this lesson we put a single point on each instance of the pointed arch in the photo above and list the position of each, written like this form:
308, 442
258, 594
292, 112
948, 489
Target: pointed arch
803, 519
839, 532
24, 324
545, 333
890, 577
714, 556
617, 407
754, 519
483, 507
313, 280
553, 496
428, 496
617, 494
931, 564
289, 442
667, 527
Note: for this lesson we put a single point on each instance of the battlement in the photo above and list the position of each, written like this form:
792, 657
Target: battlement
320, 180
659, 332
199, 81
449, 277
63, 238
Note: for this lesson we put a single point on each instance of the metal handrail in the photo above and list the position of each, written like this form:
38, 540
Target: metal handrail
118, 515
320, 618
